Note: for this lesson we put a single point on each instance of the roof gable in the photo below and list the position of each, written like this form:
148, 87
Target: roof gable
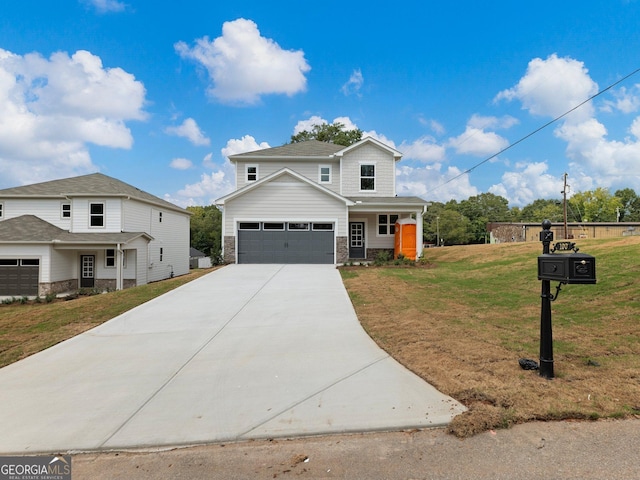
370, 141
91, 185
277, 175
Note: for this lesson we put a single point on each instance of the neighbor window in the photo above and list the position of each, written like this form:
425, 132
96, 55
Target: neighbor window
96, 215
387, 224
110, 257
325, 173
367, 177
65, 210
252, 173
1, 210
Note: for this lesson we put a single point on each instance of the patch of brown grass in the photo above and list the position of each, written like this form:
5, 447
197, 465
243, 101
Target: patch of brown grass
465, 338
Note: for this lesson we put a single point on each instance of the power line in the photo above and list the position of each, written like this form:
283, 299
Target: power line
535, 131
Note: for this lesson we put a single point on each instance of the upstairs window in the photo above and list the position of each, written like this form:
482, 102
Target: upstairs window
252, 173
1, 209
325, 173
65, 210
161, 253
387, 224
367, 178
96, 215
160, 217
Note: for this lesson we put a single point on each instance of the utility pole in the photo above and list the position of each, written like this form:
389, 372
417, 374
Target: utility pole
564, 206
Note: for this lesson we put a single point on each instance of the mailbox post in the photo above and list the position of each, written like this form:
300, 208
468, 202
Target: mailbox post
546, 333
573, 268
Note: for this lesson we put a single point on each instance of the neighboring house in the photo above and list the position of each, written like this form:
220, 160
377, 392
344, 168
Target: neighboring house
91, 231
315, 202
198, 259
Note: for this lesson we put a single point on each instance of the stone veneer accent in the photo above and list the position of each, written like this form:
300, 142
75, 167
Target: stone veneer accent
229, 249
72, 285
372, 253
342, 249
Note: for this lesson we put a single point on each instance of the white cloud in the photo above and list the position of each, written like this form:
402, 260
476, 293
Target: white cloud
432, 184
475, 141
554, 86
181, 164
354, 84
51, 109
243, 145
308, 124
424, 149
626, 101
243, 65
529, 182
106, 6
189, 130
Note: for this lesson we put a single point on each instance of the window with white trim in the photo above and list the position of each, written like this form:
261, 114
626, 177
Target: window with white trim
1, 209
324, 174
367, 177
110, 258
252, 173
96, 215
161, 253
387, 224
65, 210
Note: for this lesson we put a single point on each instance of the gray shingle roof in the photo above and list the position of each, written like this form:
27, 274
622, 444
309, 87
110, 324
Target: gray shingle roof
310, 148
94, 185
32, 229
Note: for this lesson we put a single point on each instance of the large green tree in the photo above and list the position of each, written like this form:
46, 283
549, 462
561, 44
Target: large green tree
542, 209
206, 230
482, 209
334, 133
595, 206
630, 210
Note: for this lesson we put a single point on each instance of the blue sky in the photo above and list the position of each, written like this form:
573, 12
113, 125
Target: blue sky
159, 93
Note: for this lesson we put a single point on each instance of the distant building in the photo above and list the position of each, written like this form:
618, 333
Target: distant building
503, 232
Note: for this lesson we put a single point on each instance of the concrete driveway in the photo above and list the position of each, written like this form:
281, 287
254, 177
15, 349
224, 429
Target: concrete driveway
248, 351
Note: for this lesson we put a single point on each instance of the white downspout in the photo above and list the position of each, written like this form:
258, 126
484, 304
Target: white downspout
118, 268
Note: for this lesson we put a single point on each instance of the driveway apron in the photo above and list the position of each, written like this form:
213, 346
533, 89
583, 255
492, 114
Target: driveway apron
245, 352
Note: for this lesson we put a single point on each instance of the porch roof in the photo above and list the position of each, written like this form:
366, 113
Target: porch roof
377, 203
32, 229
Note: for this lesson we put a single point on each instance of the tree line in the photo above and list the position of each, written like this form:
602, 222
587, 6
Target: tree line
464, 222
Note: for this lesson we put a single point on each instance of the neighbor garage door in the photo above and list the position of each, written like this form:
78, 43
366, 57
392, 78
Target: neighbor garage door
19, 277
285, 242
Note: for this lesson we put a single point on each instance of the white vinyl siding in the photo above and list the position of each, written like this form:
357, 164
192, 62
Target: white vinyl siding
172, 235
384, 172
286, 200
82, 215
46, 209
308, 169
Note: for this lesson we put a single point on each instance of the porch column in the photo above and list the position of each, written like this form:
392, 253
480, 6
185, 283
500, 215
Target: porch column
419, 229
118, 268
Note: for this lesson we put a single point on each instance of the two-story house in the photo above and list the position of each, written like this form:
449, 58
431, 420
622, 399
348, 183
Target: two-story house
90, 231
315, 202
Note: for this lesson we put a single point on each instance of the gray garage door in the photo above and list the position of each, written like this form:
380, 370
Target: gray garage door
285, 242
19, 277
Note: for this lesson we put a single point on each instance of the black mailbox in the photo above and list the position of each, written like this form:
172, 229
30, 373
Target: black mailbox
567, 267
